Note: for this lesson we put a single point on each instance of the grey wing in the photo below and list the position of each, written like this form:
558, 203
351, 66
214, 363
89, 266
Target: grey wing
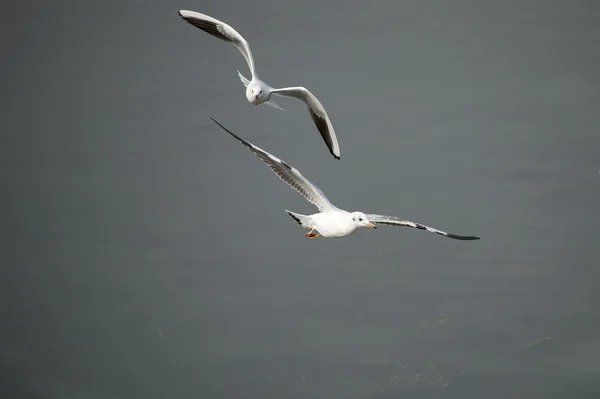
317, 113
395, 221
287, 173
220, 30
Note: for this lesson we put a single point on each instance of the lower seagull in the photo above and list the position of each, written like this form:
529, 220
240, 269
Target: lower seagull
331, 221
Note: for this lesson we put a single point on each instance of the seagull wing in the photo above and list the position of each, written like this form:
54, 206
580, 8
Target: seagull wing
395, 221
220, 30
288, 174
317, 113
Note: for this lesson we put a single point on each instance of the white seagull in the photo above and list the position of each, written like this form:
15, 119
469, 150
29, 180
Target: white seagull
331, 221
257, 91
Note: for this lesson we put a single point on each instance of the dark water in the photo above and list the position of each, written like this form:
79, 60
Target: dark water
146, 254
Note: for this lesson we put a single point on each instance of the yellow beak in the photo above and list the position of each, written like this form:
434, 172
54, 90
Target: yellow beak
371, 225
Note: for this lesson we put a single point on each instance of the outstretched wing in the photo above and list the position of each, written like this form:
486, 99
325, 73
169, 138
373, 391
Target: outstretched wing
395, 221
317, 113
288, 174
220, 30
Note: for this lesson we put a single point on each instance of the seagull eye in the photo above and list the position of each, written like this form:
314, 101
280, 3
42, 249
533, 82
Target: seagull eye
360, 219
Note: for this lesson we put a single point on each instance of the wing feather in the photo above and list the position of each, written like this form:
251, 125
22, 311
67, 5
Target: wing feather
287, 173
396, 221
317, 113
220, 30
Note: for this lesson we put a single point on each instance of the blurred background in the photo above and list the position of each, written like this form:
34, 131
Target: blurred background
146, 254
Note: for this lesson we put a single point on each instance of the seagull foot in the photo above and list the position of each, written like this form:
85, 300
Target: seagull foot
310, 234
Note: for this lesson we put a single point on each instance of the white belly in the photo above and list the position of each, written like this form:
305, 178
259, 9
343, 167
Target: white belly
334, 224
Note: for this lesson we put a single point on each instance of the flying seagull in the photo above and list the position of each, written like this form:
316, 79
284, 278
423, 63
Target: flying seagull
331, 222
257, 91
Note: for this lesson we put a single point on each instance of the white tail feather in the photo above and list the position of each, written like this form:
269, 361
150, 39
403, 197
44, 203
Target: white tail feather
245, 81
274, 105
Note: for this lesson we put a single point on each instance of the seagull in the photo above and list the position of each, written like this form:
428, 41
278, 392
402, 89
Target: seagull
257, 91
331, 221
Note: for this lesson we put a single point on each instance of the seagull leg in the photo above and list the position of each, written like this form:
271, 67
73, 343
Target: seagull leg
310, 234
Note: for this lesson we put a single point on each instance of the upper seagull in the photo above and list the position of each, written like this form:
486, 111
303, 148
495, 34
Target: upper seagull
331, 221
257, 91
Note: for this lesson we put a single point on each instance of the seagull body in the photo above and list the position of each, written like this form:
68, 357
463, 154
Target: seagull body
257, 91
334, 223
330, 221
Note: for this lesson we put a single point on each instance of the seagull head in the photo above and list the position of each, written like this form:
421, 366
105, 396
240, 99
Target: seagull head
256, 94
361, 220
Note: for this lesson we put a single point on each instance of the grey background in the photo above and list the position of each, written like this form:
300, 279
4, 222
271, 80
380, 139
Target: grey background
146, 254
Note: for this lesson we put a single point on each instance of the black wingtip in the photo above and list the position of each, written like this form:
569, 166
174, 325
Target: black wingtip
223, 127
215, 121
290, 214
238, 138
464, 238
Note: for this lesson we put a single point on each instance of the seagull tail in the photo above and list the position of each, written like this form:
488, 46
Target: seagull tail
302, 220
245, 81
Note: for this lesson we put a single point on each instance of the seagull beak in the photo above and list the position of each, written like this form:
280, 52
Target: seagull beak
371, 225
